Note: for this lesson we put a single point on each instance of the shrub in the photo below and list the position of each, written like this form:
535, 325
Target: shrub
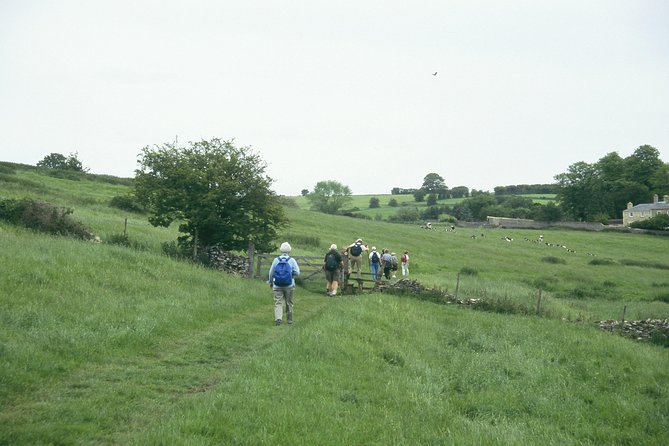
288, 202
124, 240
553, 260
644, 264
659, 223
502, 306
601, 262
392, 203
374, 203
42, 216
406, 214
127, 203
468, 271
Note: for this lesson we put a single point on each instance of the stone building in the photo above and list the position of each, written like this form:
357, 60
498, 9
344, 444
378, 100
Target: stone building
646, 210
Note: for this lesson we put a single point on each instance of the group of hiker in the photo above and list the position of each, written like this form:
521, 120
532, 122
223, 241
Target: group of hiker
338, 265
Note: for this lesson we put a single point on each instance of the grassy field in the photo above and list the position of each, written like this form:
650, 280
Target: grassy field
102, 344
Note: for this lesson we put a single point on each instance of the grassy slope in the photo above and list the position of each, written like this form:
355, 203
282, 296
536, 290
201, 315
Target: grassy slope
103, 344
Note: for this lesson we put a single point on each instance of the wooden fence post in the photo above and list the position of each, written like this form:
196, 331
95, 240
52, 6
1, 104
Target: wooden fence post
539, 302
457, 286
251, 253
622, 320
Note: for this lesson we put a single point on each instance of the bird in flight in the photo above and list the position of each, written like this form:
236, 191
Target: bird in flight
434, 74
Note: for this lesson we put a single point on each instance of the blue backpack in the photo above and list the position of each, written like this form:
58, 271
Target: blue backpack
283, 273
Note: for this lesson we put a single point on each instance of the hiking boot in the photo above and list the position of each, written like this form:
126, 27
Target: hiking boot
290, 318
277, 322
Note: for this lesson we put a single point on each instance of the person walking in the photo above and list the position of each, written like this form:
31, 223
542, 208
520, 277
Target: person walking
282, 275
386, 261
393, 264
355, 251
405, 264
332, 266
374, 262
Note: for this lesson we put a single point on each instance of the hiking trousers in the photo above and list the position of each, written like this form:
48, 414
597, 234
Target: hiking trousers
281, 296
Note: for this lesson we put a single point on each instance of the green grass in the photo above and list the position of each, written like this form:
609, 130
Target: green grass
104, 344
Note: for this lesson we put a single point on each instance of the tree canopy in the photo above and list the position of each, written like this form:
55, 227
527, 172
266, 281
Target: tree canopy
61, 162
329, 196
218, 192
589, 191
434, 183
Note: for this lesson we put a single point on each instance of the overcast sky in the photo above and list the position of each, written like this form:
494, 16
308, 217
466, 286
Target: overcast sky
339, 90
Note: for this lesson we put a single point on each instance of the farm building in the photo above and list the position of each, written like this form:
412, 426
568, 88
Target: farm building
645, 210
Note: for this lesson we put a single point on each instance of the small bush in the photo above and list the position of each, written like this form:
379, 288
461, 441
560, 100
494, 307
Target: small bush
662, 298
127, 203
374, 203
660, 337
124, 240
659, 223
43, 217
644, 264
393, 358
288, 202
554, 260
175, 250
469, 271
65, 174
502, 306
602, 262
392, 203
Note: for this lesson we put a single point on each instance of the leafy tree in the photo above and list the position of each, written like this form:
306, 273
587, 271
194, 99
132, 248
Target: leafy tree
433, 183
393, 203
304, 192
218, 191
61, 162
374, 203
405, 214
419, 195
460, 192
477, 205
581, 192
431, 199
547, 212
329, 196
642, 164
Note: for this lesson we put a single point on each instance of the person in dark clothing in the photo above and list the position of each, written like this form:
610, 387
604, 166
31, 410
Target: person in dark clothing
332, 266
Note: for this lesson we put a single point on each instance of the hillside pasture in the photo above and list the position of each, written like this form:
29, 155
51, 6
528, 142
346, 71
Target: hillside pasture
105, 344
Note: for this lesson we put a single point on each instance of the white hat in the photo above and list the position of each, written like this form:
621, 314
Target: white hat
285, 247
373, 248
333, 246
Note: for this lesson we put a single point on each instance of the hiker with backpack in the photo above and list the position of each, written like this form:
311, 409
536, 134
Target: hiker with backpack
332, 265
374, 263
386, 261
393, 265
281, 279
355, 251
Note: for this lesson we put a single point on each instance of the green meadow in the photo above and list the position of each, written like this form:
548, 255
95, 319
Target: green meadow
108, 344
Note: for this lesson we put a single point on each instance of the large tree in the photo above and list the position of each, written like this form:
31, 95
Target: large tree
434, 183
218, 192
329, 196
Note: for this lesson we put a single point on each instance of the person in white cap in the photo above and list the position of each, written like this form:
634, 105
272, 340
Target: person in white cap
282, 275
332, 265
